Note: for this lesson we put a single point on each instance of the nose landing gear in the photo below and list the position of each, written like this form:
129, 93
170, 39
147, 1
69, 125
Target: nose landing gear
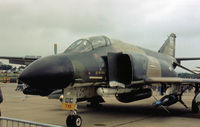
73, 120
70, 104
71, 97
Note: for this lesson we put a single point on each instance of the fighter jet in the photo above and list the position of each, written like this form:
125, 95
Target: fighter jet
25, 60
197, 70
96, 66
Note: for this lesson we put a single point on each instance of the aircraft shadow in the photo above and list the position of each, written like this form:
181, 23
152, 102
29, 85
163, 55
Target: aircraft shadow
138, 110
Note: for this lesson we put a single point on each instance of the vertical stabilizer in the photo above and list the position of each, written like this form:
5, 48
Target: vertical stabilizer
168, 47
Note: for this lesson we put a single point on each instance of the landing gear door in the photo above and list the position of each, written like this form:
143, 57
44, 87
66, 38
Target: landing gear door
112, 66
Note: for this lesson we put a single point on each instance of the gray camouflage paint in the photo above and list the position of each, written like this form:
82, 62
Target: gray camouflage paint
145, 63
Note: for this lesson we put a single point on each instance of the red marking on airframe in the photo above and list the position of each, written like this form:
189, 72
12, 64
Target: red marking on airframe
96, 55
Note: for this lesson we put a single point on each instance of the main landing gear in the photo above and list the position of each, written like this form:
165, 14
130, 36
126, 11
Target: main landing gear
196, 100
95, 102
195, 107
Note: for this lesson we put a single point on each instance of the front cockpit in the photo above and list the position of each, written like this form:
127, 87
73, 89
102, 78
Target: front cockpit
89, 44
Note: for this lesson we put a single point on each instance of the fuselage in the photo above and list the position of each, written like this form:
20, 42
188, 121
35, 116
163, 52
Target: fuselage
145, 63
90, 65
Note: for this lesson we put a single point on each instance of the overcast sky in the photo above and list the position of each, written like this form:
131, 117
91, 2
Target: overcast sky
31, 27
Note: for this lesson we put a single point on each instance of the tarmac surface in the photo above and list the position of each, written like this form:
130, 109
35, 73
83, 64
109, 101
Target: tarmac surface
111, 114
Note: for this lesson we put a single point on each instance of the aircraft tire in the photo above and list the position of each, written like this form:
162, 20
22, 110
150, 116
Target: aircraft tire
195, 107
74, 121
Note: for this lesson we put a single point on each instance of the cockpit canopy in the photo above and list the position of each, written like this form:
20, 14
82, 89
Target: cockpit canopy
86, 45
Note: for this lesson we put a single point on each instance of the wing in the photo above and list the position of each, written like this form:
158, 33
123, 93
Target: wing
20, 60
170, 80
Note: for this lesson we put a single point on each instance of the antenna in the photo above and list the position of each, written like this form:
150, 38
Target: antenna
55, 48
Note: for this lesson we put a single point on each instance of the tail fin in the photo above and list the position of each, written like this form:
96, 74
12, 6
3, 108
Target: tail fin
168, 47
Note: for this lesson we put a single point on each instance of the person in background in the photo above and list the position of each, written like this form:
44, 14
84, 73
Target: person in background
1, 99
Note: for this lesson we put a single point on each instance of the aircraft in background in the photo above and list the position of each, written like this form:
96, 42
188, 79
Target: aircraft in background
21, 60
24, 60
197, 70
93, 67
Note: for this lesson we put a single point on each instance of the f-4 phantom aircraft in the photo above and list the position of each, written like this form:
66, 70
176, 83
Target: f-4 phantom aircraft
93, 67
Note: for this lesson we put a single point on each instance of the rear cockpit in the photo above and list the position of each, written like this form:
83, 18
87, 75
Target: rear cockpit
89, 44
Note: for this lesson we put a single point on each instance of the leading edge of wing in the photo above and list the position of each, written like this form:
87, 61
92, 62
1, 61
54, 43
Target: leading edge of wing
171, 80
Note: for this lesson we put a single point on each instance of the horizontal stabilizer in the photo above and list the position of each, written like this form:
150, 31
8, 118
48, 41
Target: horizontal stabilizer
185, 68
187, 59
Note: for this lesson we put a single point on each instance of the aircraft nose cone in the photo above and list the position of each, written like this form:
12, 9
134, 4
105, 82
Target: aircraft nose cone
49, 72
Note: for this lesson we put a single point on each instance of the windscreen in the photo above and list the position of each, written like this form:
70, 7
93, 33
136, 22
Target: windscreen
86, 45
79, 46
